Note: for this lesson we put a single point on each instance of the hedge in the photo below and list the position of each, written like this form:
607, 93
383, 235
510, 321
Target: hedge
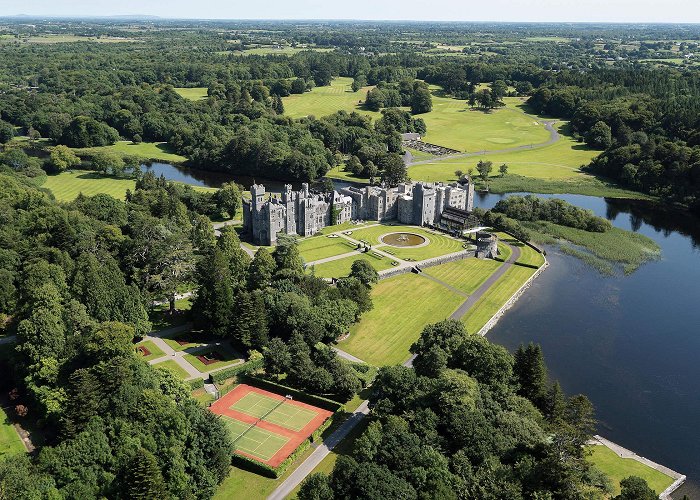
321, 402
252, 465
226, 373
196, 383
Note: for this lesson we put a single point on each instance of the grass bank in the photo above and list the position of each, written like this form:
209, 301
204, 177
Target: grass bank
10, 442
155, 151
617, 469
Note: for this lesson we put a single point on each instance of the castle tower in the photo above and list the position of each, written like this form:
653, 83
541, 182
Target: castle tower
257, 193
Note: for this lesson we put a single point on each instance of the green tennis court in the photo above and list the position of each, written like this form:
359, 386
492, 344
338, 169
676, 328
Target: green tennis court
254, 441
287, 415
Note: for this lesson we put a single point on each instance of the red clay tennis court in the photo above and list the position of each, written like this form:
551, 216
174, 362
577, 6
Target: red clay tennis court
265, 426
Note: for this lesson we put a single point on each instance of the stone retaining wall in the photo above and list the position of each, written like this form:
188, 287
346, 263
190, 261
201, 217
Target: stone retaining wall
435, 261
494, 319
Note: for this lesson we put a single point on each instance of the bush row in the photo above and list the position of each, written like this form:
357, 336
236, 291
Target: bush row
226, 373
196, 383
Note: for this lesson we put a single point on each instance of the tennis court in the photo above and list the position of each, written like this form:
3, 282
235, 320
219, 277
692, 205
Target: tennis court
275, 410
252, 440
266, 426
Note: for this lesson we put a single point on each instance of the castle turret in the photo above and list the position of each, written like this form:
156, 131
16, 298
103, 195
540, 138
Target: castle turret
257, 192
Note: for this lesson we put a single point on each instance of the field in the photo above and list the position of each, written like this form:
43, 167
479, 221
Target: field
266, 426
148, 150
439, 243
323, 101
68, 185
560, 160
149, 350
528, 255
174, 368
341, 267
617, 469
453, 124
264, 51
182, 341
495, 297
44, 39
10, 442
320, 247
403, 306
465, 275
192, 93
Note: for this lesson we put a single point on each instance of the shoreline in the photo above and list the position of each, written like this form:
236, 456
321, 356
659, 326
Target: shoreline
623, 452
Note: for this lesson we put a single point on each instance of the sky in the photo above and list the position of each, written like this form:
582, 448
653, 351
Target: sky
645, 11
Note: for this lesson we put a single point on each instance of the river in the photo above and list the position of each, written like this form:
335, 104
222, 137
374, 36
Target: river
631, 343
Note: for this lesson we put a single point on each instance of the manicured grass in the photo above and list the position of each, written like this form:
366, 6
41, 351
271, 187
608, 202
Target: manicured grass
341, 267
466, 275
147, 150
320, 247
616, 245
289, 416
10, 442
453, 124
617, 469
323, 101
403, 306
192, 339
202, 396
440, 244
161, 318
152, 348
420, 155
561, 160
345, 226
341, 174
528, 255
228, 359
495, 297
68, 185
255, 441
192, 93
172, 367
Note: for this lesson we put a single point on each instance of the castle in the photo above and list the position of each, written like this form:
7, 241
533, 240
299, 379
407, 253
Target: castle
305, 213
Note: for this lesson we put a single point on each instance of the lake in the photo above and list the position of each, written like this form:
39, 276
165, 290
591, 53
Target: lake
631, 343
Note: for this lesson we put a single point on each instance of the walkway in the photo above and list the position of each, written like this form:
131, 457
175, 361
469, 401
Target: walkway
473, 298
549, 125
308, 465
179, 356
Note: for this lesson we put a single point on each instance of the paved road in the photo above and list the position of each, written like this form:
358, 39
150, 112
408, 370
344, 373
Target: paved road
549, 125
307, 467
467, 304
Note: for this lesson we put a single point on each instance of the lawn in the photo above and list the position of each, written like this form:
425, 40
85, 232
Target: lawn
465, 275
323, 101
171, 366
153, 349
320, 247
528, 255
68, 185
440, 244
557, 161
453, 124
227, 359
403, 306
161, 318
341, 267
192, 93
182, 341
148, 150
10, 442
495, 297
617, 469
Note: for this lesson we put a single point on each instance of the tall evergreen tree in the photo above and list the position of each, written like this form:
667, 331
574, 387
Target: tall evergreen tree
531, 374
144, 480
261, 269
